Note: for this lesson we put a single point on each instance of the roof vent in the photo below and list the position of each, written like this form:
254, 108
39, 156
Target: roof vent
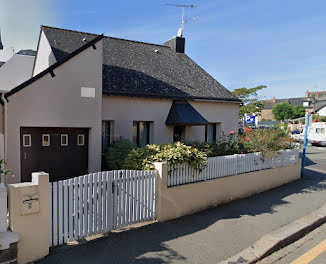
156, 51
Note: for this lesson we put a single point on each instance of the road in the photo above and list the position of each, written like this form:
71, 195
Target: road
212, 235
312, 247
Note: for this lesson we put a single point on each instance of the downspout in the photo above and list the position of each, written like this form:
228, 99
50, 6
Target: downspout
5, 121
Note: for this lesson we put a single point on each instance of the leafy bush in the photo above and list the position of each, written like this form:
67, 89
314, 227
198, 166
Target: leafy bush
176, 153
264, 140
123, 154
116, 154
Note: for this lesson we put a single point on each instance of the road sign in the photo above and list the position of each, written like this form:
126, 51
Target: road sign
250, 120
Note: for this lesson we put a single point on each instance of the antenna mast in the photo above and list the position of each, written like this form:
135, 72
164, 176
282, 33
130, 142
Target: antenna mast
184, 19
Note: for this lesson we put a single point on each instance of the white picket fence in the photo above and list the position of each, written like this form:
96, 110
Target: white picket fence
99, 203
223, 166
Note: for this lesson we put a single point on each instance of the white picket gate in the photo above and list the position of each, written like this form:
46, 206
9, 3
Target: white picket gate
99, 203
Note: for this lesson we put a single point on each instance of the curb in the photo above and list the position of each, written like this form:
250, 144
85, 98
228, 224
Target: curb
279, 238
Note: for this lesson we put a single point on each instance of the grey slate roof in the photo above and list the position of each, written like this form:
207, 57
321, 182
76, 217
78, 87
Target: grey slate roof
183, 113
292, 101
27, 52
134, 68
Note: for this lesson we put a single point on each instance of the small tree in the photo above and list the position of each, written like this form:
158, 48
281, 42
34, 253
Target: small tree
282, 111
249, 98
298, 111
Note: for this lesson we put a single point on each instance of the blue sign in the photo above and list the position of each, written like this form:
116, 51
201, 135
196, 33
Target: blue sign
250, 120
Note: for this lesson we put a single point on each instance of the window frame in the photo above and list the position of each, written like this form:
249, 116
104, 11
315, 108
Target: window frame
107, 134
43, 136
61, 137
147, 126
207, 129
83, 137
24, 141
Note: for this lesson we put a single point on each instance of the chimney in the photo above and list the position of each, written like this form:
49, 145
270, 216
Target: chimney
307, 93
1, 46
177, 44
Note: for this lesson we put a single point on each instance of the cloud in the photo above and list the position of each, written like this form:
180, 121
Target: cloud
20, 23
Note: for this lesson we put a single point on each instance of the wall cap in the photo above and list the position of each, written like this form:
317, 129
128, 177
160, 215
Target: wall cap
7, 238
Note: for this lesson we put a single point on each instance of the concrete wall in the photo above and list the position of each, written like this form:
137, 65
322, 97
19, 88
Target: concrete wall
31, 223
57, 102
16, 71
174, 202
266, 114
124, 110
44, 57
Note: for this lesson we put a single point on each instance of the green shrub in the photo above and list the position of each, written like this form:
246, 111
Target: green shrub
264, 140
116, 154
176, 153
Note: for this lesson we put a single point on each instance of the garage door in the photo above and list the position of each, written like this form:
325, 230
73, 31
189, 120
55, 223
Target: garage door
61, 152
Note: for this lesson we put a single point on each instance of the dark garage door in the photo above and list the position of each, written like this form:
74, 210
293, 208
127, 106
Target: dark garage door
61, 152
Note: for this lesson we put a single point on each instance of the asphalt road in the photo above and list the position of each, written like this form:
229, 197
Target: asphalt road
212, 235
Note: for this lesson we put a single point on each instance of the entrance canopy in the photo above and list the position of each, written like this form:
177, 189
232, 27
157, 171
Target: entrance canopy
183, 113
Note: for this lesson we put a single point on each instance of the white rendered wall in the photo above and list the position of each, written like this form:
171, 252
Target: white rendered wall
15, 71
44, 57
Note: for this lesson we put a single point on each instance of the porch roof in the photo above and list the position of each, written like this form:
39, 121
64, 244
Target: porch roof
183, 113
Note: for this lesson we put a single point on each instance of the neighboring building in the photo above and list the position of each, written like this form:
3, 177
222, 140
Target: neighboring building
312, 102
321, 111
89, 89
14, 72
267, 113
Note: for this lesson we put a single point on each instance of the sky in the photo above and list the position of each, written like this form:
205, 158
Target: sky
241, 43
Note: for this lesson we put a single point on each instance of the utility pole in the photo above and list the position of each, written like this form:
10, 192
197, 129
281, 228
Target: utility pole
305, 141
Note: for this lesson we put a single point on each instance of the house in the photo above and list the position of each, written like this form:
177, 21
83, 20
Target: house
321, 111
13, 72
89, 89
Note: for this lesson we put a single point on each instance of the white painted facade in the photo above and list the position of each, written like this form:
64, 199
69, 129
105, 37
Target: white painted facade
44, 56
322, 112
124, 110
15, 71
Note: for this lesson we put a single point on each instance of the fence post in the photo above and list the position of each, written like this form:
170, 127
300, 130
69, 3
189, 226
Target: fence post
162, 185
29, 216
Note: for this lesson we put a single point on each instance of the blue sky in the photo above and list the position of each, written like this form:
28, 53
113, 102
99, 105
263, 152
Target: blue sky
242, 43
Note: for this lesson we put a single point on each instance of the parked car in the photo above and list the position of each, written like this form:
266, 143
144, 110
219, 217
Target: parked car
295, 135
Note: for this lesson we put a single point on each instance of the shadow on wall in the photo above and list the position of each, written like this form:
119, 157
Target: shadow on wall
136, 246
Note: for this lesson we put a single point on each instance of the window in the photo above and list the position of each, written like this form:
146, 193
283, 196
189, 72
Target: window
107, 134
320, 130
81, 140
179, 133
27, 140
306, 104
46, 140
64, 140
141, 133
212, 132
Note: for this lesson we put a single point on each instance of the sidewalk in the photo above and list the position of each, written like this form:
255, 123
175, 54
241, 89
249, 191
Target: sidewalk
207, 237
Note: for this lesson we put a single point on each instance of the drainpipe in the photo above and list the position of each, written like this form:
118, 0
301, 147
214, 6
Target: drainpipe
5, 120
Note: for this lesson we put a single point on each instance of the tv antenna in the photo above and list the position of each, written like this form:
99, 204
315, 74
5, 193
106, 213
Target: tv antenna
184, 18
